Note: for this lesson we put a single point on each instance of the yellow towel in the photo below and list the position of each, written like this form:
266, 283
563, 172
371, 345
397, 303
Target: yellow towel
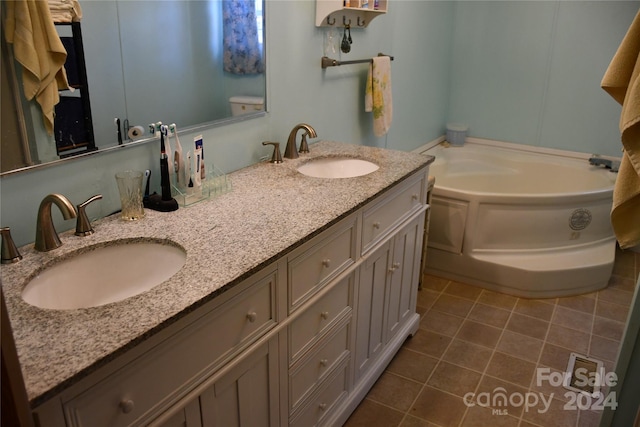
37, 47
622, 82
378, 94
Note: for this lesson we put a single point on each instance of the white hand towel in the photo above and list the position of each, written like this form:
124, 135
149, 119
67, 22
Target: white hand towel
378, 97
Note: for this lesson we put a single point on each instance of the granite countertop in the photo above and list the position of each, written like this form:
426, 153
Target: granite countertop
271, 210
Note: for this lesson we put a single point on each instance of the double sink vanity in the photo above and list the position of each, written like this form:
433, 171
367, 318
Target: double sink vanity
292, 294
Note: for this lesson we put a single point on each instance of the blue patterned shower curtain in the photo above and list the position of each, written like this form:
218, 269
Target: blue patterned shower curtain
242, 48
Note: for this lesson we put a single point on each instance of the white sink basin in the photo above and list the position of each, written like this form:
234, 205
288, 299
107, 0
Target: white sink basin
337, 167
104, 275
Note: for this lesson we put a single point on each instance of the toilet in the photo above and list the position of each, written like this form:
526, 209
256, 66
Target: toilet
246, 104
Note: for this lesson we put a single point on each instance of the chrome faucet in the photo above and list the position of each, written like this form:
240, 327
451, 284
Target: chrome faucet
291, 151
46, 236
609, 164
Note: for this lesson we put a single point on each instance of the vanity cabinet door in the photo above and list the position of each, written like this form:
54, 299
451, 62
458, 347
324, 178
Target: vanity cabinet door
404, 275
371, 308
189, 416
246, 395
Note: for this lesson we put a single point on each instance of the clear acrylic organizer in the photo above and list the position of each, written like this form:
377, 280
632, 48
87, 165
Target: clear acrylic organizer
215, 184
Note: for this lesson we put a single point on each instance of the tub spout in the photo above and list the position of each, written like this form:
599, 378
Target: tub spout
609, 164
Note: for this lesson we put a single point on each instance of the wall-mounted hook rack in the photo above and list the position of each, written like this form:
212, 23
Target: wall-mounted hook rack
328, 12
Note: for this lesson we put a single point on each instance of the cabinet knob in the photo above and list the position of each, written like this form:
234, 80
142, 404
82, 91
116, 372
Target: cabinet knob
323, 362
324, 315
252, 316
126, 406
322, 406
414, 197
326, 262
396, 265
376, 225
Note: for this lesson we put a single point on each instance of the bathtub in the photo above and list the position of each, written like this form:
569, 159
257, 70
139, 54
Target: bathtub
525, 223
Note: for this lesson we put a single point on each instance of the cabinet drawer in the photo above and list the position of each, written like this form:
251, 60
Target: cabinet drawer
159, 377
332, 392
380, 218
313, 369
318, 264
318, 318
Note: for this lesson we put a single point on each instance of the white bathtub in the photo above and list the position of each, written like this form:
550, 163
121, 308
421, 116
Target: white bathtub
529, 224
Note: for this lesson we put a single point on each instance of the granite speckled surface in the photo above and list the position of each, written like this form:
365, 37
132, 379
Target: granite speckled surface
271, 210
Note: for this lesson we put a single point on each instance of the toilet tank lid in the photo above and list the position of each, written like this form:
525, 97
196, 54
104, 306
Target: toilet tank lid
257, 100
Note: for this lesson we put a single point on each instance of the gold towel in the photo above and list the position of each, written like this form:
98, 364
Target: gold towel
622, 82
37, 47
378, 97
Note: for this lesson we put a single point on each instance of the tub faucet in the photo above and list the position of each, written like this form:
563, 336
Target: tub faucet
609, 164
291, 151
46, 236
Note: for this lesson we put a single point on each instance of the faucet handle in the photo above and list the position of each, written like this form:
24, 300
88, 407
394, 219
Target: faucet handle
83, 225
10, 253
276, 157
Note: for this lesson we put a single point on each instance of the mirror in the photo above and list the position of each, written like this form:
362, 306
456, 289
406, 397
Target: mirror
146, 61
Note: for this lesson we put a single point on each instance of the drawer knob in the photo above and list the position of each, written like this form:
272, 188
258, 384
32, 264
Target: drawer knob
414, 197
322, 406
324, 315
323, 362
252, 316
126, 406
376, 225
326, 262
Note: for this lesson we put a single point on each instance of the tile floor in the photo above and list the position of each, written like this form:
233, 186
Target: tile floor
474, 340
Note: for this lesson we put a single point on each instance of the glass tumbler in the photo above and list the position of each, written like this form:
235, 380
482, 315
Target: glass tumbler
130, 188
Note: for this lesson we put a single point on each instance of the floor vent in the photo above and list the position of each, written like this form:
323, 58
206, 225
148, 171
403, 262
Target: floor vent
583, 373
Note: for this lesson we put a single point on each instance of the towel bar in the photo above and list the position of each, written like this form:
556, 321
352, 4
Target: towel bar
328, 62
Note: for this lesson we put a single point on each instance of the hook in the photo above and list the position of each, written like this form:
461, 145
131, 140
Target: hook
329, 20
363, 22
344, 21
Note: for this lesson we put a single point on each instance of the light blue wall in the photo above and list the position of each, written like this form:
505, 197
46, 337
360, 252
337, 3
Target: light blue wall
529, 71
417, 33
526, 72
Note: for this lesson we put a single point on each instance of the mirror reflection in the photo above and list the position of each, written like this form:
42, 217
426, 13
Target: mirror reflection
175, 61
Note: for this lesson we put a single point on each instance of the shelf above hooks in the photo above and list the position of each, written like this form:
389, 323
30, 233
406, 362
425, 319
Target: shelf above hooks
329, 62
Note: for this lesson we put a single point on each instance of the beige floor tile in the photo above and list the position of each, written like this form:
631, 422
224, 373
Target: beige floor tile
453, 305
479, 333
410, 421
529, 326
395, 391
589, 418
602, 348
492, 316
616, 296
441, 408
573, 319
440, 322
413, 365
429, 343
521, 346
370, 413
454, 379
463, 290
434, 283
540, 309
556, 415
611, 311
608, 328
622, 283
540, 383
497, 299
494, 393
568, 338
468, 355
511, 369
555, 357
482, 417
426, 298
584, 303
